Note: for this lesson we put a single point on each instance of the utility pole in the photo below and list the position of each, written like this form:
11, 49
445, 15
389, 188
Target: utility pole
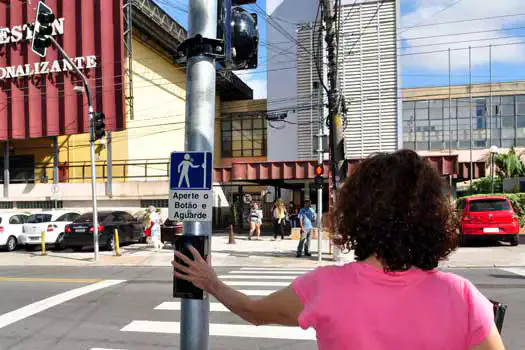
335, 99
200, 116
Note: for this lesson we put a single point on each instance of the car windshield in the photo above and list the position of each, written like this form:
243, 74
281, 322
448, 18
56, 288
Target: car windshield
489, 205
39, 218
86, 218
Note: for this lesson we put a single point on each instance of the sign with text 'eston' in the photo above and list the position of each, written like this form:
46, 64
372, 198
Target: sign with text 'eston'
191, 194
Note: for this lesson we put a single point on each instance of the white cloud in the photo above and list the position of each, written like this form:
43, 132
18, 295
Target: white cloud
257, 82
463, 10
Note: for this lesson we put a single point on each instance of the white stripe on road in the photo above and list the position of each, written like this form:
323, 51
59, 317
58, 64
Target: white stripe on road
44, 304
287, 272
176, 305
225, 330
516, 271
257, 283
255, 277
277, 268
104, 349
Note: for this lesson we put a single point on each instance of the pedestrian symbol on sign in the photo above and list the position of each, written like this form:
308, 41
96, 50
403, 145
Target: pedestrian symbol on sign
191, 171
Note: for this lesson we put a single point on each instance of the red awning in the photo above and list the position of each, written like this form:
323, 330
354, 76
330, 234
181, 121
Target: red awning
304, 170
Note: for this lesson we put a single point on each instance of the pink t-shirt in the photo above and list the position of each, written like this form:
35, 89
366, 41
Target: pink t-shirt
360, 307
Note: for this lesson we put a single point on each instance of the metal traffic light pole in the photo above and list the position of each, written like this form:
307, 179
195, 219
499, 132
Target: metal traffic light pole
200, 116
91, 142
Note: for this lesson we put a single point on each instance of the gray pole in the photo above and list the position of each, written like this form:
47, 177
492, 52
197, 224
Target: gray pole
320, 195
91, 142
200, 117
55, 167
470, 111
492, 172
109, 145
6, 169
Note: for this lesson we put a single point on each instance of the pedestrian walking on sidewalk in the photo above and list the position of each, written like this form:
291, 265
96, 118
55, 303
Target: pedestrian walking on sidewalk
392, 213
279, 219
155, 223
307, 219
255, 217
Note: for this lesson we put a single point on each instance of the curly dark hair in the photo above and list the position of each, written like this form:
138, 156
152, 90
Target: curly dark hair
393, 207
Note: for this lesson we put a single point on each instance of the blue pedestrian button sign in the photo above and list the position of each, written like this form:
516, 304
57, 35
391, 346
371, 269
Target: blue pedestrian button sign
191, 195
191, 171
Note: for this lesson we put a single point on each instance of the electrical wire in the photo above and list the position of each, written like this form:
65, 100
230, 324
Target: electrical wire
452, 4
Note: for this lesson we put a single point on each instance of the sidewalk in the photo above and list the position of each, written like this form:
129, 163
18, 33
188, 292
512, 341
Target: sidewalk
266, 252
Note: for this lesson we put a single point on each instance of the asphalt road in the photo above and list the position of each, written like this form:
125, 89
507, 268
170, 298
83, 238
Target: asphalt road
130, 308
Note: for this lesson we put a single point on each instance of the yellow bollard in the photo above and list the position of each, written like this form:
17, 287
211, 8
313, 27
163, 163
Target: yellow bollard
117, 244
43, 243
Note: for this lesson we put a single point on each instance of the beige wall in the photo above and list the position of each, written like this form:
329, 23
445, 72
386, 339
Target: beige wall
457, 91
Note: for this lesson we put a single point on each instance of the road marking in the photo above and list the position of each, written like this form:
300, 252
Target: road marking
516, 271
44, 304
176, 305
257, 283
104, 349
49, 280
277, 268
255, 277
287, 272
257, 292
225, 330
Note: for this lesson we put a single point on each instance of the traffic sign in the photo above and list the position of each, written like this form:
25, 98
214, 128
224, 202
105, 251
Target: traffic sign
191, 195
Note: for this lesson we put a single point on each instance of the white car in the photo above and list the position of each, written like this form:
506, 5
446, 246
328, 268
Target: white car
52, 223
10, 229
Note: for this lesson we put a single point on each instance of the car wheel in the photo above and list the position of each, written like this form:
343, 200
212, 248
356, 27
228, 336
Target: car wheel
11, 244
515, 241
59, 244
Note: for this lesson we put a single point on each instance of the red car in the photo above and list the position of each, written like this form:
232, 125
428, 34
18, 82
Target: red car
489, 217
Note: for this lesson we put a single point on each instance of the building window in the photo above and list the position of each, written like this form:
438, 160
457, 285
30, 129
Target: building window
157, 203
243, 135
40, 205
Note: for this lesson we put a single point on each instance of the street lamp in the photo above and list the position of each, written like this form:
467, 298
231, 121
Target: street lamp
493, 151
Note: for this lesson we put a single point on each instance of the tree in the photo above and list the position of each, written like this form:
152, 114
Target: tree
509, 164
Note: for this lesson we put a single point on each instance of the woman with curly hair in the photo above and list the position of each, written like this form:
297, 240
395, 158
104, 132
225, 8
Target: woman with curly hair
392, 213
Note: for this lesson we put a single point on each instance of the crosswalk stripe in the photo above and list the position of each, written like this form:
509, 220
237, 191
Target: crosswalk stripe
257, 283
176, 305
277, 268
255, 277
226, 330
515, 270
287, 272
256, 292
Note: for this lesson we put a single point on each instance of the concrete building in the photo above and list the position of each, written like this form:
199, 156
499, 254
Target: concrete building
465, 120
368, 77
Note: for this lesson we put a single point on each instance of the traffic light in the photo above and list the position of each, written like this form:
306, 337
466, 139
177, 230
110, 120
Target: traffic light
99, 127
43, 29
319, 170
240, 32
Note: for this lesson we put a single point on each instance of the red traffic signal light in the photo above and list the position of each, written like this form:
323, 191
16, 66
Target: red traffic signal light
319, 170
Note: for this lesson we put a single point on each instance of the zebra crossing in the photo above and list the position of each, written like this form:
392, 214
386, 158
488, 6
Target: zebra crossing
256, 282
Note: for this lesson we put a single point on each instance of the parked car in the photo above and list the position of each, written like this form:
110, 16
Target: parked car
53, 223
79, 233
11, 225
488, 217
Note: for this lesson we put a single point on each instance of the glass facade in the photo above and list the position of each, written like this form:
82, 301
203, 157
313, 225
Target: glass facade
243, 135
456, 123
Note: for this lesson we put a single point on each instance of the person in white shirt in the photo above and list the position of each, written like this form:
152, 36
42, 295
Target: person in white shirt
155, 222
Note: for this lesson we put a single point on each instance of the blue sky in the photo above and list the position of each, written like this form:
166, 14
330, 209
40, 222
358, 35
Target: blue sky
432, 69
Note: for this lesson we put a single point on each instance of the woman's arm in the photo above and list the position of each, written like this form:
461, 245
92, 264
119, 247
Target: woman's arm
492, 342
282, 307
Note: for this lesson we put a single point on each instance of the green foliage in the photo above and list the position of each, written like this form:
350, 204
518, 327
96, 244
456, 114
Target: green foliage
509, 164
484, 185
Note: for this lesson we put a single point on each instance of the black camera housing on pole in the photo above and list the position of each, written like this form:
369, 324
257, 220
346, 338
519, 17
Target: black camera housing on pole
43, 29
239, 31
99, 125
